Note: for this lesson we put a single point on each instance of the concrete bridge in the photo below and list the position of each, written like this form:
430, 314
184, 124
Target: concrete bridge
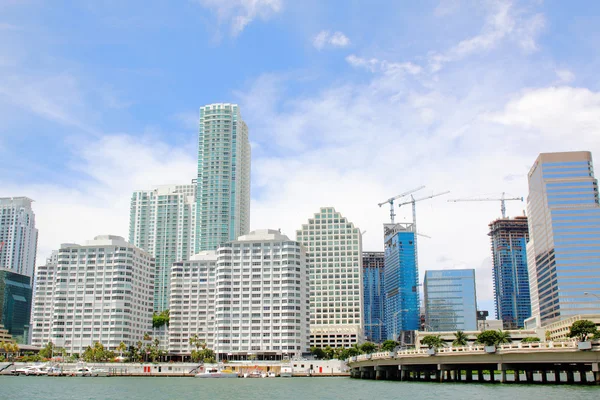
542, 362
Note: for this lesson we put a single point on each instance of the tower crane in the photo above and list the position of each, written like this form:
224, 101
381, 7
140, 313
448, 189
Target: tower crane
502, 201
414, 207
391, 201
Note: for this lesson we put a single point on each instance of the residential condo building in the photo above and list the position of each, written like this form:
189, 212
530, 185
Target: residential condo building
334, 248
262, 291
192, 312
374, 296
450, 300
509, 237
18, 235
402, 312
163, 223
101, 291
223, 199
564, 236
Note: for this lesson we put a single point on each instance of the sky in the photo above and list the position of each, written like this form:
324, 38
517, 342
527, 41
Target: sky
348, 103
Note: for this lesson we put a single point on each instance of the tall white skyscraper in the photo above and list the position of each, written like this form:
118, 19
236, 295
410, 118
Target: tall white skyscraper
262, 291
334, 248
18, 235
163, 223
192, 305
564, 236
223, 200
101, 291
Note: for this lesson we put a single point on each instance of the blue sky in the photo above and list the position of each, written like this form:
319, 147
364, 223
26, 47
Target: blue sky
348, 103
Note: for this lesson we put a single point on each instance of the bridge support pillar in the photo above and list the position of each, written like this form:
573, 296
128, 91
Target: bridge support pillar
492, 375
427, 376
529, 376
583, 376
379, 374
570, 377
517, 375
480, 377
596, 371
449, 375
544, 374
556, 376
438, 376
502, 376
458, 375
469, 377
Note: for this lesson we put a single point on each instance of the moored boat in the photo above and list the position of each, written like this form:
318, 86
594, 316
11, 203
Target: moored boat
214, 372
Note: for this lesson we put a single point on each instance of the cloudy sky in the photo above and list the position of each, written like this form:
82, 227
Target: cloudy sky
348, 103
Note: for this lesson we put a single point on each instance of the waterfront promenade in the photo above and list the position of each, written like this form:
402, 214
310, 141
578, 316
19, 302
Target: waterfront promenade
547, 362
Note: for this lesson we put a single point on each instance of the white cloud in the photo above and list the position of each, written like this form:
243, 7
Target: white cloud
326, 38
504, 21
565, 76
376, 65
239, 13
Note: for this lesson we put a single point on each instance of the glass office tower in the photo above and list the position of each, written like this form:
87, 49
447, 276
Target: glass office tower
374, 296
564, 228
450, 300
509, 238
402, 316
15, 304
223, 199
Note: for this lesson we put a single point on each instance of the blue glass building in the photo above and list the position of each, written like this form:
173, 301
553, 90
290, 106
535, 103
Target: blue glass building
509, 238
401, 279
450, 300
564, 229
15, 304
374, 296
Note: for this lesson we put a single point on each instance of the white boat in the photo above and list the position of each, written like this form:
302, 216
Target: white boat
272, 375
214, 372
35, 370
86, 371
286, 371
255, 374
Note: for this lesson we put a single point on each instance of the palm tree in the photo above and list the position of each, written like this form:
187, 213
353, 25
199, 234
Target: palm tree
461, 339
121, 348
503, 337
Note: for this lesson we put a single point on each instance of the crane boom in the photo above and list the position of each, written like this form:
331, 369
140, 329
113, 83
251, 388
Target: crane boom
502, 201
390, 201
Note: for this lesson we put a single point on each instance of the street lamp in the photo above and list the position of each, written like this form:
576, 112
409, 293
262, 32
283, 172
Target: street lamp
591, 294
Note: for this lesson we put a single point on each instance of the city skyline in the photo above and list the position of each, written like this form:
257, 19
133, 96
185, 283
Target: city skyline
335, 116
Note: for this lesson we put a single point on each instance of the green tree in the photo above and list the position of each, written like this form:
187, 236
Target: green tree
121, 348
487, 338
583, 329
47, 351
329, 353
432, 341
460, 339
503, 337
530, 339
160, 319
317, 352
368, 348
389, 345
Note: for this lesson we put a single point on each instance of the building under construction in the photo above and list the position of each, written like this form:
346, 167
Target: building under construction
509, 237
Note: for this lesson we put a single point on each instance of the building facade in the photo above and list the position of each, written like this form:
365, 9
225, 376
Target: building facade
564, 231
262, 292
334, 247
163, 223
402, 315
192, 312
15, 304
101, 291
509, 239
374, 296
223, 199
450, 300
18, 235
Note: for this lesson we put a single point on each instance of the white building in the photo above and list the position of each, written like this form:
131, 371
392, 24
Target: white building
163, 223
262, 292
223, 208
18, 235
101, 291
192, 302
334, 246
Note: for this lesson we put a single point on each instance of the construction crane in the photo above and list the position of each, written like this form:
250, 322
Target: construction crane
414, 207
391, 201
502, 201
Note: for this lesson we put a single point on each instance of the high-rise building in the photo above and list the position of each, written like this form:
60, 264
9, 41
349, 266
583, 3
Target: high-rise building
374, 296
450, 300
101, 291
43, 305
18, 235
223, 200
402, 316
334, 248
192, 312
509, 238
15, 304
564, 236
262, 291
163, 223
